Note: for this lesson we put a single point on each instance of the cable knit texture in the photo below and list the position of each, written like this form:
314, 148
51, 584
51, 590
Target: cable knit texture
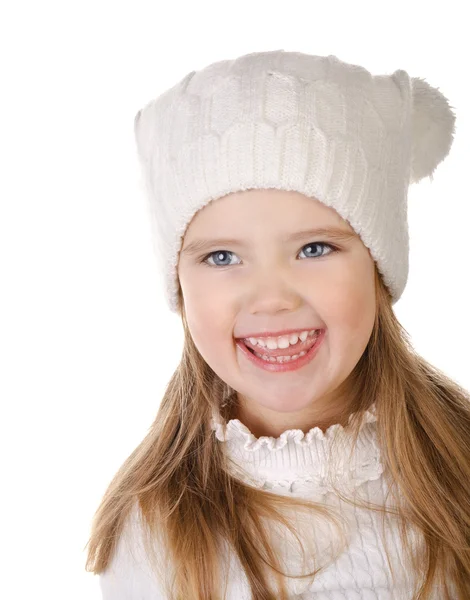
296, 464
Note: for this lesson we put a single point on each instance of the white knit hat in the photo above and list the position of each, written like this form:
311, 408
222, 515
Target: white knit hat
288, 120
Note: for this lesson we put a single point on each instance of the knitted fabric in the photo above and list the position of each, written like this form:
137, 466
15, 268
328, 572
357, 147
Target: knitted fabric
317, 125
295, 462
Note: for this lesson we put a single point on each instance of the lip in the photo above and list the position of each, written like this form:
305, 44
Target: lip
292, 365
262, 334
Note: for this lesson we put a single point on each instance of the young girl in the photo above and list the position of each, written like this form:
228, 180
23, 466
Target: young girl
302, 448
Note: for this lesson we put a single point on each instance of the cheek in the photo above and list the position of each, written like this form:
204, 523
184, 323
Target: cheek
210, 327
203, 291
348, 309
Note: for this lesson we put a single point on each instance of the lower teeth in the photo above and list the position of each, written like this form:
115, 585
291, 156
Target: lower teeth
280, 359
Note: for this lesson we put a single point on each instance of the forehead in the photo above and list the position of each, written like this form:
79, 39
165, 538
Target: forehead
263, 209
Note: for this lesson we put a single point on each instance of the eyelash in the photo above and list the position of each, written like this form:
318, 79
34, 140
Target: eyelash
333, 249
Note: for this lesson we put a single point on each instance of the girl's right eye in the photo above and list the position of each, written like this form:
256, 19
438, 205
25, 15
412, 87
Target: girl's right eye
219, 253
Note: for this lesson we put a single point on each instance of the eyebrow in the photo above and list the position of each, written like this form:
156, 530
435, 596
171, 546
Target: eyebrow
335, 233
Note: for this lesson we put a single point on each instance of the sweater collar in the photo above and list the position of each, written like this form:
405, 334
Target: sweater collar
296, 461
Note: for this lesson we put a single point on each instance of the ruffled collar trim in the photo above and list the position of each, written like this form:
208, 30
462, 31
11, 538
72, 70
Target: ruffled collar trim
236, 430
299, 463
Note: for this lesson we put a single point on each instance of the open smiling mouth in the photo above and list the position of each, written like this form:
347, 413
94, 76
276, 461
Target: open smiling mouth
283, 359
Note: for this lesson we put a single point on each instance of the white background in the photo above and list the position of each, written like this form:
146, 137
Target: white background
87, 342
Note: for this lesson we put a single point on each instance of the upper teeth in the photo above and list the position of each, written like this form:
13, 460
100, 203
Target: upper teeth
282, 341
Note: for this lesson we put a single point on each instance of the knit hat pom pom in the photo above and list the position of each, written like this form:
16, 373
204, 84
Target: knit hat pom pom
433, 129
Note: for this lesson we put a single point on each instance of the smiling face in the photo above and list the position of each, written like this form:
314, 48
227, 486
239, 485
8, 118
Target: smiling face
268, 282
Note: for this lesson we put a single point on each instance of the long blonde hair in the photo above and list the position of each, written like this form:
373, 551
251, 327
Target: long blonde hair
179, 478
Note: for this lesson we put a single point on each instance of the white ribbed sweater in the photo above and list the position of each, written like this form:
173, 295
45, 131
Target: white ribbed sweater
294, 463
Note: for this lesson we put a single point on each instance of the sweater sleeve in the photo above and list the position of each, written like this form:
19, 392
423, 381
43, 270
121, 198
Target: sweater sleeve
128, 575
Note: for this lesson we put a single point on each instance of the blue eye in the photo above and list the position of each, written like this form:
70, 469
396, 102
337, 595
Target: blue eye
220, 253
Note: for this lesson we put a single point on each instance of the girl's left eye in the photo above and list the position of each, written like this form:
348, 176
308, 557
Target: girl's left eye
219, 253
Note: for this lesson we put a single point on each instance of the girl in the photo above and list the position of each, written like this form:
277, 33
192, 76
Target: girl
302, 448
